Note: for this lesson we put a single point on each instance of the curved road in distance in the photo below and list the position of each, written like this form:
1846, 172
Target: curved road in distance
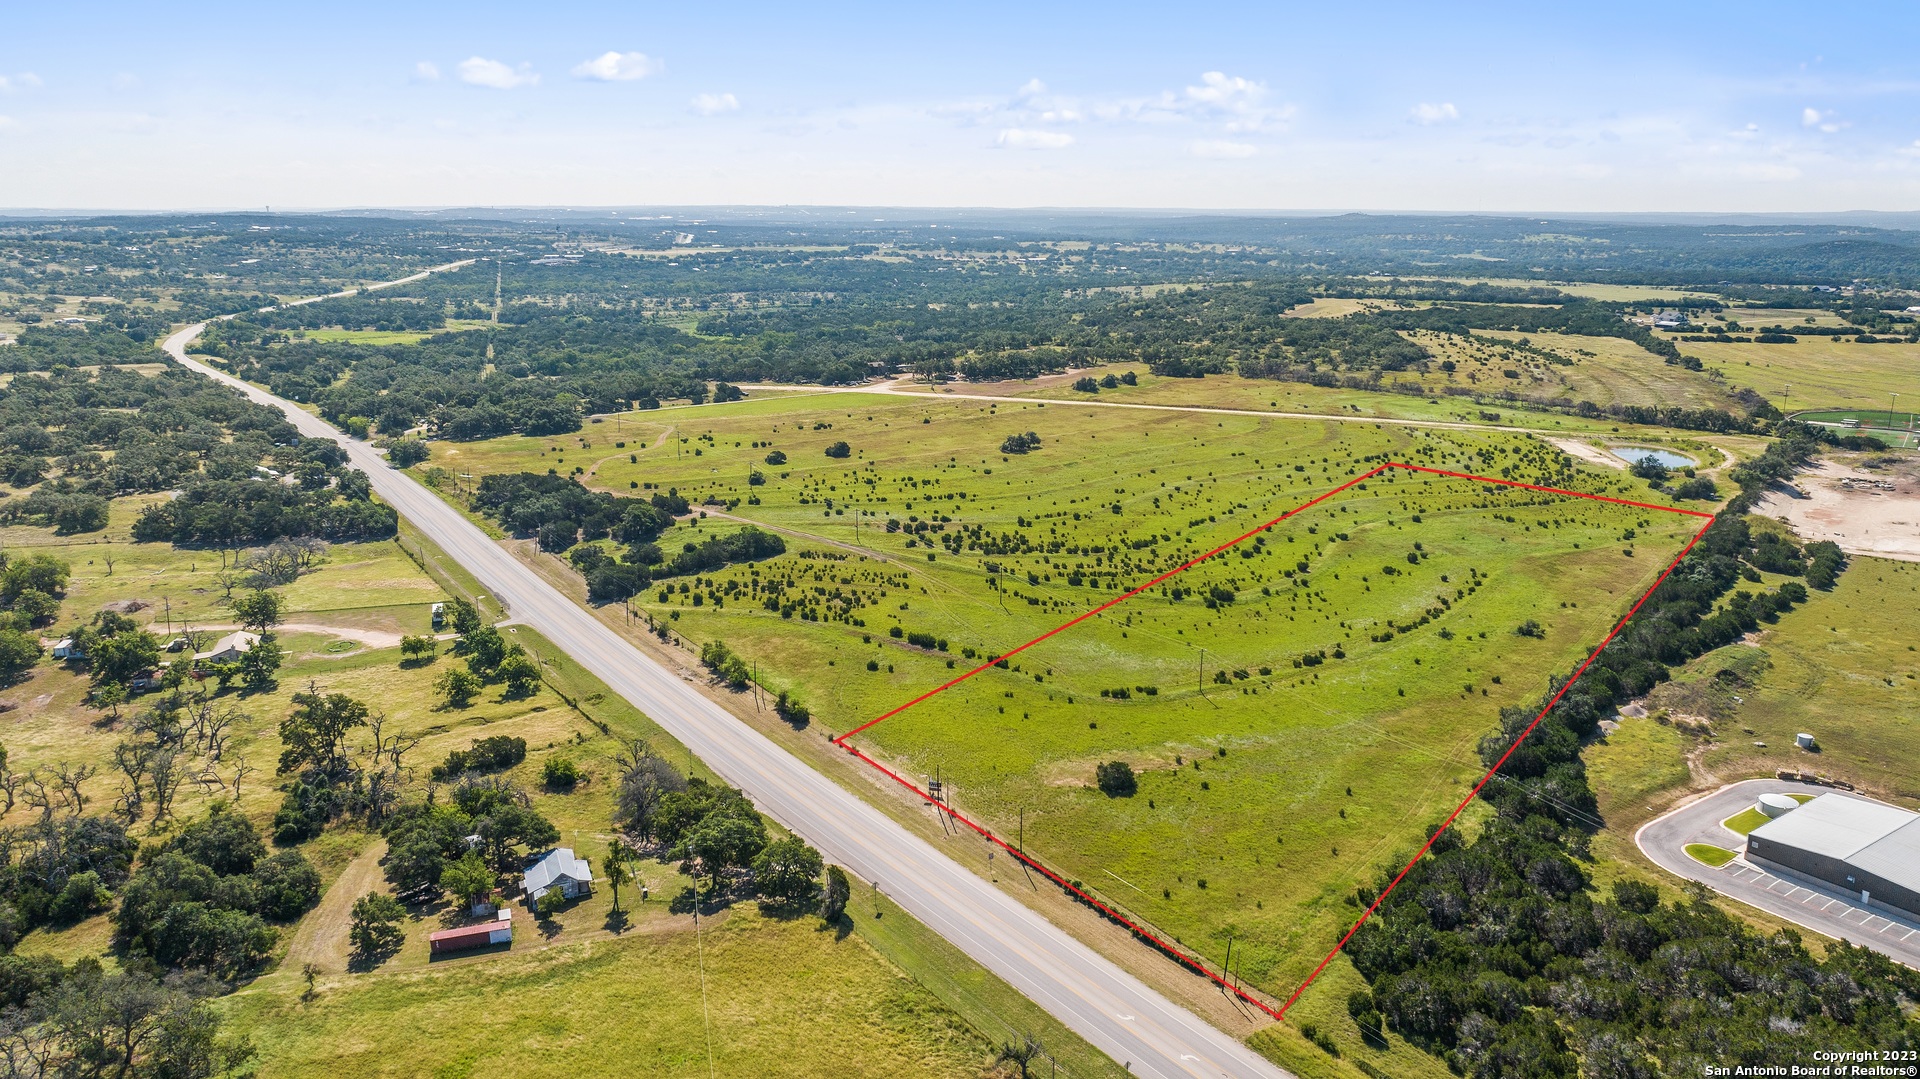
1092, 996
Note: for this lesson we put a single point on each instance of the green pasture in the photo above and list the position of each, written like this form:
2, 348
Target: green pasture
1243, 783
1824, 372
750, 995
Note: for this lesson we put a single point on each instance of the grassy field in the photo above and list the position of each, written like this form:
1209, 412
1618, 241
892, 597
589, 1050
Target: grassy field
1243, 827
748, 996
1644, 380
1824, 372
1842, 668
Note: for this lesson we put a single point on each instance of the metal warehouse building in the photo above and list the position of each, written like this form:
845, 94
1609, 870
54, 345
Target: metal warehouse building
1866, 848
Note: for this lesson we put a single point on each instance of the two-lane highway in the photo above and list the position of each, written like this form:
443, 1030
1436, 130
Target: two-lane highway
1091, 995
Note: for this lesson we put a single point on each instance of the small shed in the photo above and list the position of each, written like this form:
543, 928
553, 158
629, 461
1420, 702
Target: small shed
478, 935
64, 648
558, 868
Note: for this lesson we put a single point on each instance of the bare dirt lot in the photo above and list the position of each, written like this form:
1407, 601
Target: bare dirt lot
1851, 507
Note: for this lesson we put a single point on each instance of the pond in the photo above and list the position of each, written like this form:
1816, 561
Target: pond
1636, 454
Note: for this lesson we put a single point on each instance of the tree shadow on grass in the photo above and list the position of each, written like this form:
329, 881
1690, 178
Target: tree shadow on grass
618, 922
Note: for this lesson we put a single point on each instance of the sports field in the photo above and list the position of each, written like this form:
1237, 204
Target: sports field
1296, 711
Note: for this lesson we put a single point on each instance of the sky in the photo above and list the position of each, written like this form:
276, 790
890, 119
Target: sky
1538, 107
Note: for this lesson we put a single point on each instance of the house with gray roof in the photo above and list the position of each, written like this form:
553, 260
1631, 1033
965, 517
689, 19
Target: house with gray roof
558, 868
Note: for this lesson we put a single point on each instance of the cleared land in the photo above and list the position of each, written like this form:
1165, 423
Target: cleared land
1243, 781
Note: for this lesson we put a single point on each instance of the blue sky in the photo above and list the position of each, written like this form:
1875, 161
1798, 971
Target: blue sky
1538, 107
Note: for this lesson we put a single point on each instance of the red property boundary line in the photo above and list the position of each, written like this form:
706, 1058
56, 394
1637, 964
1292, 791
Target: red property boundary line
1140, 931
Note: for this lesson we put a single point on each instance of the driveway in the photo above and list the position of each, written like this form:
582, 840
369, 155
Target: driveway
1829, 911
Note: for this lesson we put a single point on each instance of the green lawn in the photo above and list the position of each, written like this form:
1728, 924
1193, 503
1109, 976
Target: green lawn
1708, 854
1244, 784
1745, 821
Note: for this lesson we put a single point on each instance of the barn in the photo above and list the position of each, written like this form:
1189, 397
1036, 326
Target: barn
469, 937
1868, 849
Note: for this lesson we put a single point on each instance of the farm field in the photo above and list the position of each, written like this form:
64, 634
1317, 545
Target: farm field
1824, 372
1245, 753
1635, 382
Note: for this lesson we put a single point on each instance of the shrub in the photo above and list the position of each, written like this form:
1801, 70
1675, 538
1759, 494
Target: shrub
839, 450
776, 458
1698, 487
560, 773
1116, 779
486, 755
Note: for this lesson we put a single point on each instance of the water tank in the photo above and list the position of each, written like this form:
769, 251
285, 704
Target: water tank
1803, 740
1774, 805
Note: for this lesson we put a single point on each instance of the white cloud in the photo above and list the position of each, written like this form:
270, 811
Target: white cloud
1021, 138
7, 123
25, 80
426, 71
618, 67
480, 71
1223, 148
1236, 99
1429, 113
126, 80
1030, 88
1811, 117
714, 104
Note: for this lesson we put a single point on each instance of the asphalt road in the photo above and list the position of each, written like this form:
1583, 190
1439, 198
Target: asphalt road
1828, 910
1089, 994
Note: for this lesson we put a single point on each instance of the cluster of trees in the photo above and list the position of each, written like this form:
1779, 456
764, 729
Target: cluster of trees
1495, 956
80, 1021
333, 770
566, 518
561, 512
208, 897
93, 434
31, 590
229, 513
490, 660
60, 868
428, 848
717, 835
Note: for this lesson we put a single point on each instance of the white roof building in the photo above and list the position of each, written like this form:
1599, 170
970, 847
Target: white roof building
561, 869
1866, 847
229, 648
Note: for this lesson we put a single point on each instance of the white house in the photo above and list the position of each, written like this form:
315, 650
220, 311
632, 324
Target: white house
558, 869
66, 649
229, 648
